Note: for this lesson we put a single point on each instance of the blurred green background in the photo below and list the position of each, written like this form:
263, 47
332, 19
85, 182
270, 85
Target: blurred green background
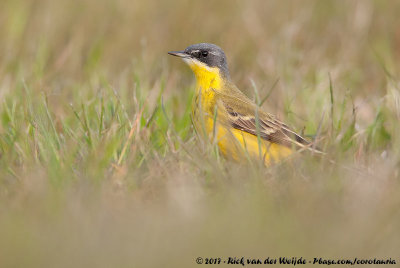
100, 166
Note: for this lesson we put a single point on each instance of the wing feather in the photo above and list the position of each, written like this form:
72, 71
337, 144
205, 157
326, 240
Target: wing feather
242, 116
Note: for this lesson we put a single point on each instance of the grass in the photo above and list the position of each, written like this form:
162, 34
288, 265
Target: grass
99, 163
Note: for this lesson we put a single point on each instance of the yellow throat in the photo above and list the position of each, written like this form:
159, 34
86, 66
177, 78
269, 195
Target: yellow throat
208, 80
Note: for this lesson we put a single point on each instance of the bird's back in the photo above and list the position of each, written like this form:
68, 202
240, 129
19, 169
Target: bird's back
241, 128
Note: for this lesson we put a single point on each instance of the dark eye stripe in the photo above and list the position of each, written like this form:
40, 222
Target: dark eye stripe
199, 54
196, 53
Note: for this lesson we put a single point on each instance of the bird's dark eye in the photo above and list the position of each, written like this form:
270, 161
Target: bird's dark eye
204, 53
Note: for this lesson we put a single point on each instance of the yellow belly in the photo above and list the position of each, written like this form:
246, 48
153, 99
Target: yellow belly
239, 145
233, 143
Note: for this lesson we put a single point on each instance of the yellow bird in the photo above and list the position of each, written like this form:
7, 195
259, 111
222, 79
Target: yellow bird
223, 114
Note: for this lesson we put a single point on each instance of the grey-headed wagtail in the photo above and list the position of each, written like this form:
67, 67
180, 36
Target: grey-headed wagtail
228, 117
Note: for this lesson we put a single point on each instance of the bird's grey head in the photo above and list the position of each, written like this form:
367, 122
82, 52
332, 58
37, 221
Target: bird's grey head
209, 54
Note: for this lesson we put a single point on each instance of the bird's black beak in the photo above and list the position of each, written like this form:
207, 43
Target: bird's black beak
181, 54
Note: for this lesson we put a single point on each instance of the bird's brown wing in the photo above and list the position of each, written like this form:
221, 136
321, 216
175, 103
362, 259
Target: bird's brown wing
243, 115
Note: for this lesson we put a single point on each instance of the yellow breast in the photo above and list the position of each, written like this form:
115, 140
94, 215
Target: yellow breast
233, 143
